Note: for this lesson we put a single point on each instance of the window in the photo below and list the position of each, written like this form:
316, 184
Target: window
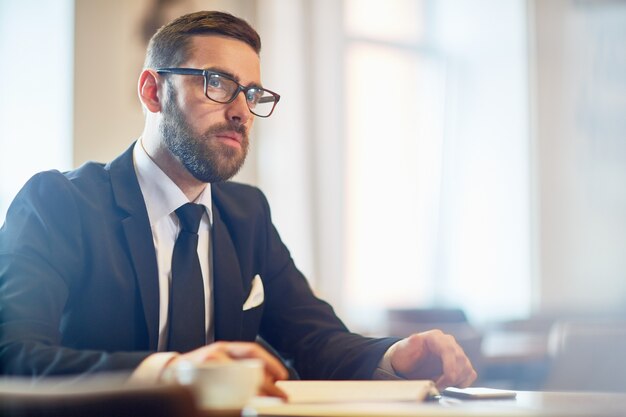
36, 43
437, 183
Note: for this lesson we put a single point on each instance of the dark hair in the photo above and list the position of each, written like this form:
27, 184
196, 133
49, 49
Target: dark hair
168, 47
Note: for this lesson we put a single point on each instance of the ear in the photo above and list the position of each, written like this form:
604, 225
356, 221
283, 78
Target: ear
148, 89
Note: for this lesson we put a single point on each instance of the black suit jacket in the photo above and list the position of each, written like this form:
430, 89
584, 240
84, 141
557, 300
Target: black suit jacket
79, 288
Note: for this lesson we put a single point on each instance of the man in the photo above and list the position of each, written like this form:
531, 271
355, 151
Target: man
89, 259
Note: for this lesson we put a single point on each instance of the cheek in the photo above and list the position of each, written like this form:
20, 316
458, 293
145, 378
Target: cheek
205, 115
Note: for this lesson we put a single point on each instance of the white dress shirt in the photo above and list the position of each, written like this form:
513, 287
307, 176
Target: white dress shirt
162, 197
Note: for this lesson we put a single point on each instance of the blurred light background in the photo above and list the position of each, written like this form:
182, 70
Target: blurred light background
437, 153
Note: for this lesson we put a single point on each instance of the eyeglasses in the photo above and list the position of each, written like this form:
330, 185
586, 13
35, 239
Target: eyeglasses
223, 89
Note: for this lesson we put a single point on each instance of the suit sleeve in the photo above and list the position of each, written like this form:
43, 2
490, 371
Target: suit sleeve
306, 329
41, 256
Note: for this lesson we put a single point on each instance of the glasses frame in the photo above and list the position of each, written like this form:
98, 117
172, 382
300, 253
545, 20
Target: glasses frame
206, 73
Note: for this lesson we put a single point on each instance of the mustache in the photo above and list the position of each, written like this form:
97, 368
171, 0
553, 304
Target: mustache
227, 127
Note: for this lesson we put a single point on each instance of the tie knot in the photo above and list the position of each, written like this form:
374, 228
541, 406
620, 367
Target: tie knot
189, 215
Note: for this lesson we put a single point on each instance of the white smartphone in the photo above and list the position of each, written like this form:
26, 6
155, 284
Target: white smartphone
478, 393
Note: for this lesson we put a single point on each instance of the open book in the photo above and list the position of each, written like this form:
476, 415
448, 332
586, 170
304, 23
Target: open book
347, 398
300, 392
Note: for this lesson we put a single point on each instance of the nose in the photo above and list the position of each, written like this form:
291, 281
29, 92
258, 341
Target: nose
237, 111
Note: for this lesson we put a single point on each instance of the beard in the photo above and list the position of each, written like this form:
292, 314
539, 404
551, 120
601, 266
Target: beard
206, 158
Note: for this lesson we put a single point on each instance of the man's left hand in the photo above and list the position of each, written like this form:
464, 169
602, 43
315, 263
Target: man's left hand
432, 355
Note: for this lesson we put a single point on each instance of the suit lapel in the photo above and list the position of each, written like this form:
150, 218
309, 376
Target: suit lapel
228, 291
138, 235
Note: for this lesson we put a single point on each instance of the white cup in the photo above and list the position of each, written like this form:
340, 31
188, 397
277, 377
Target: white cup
220, 385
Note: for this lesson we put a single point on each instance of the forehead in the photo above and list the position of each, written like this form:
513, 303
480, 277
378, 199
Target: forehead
226, 54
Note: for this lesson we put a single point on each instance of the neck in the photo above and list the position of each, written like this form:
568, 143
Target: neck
174, 169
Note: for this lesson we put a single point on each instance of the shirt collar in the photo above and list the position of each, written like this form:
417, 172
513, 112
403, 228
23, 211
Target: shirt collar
161, 194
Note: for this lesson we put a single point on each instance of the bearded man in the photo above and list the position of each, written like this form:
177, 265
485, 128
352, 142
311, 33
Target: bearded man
155, 257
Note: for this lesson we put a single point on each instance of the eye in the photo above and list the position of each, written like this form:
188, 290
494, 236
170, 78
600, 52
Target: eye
253, 95
215, 81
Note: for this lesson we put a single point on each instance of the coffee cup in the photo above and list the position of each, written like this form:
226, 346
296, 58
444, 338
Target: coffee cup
221, 386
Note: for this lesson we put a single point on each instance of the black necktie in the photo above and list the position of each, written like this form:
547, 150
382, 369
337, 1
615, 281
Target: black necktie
186, 307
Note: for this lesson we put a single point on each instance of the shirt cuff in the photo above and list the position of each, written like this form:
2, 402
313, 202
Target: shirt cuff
385, 369
150, 370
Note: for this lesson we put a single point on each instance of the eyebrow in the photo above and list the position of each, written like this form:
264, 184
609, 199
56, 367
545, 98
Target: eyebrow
222, 71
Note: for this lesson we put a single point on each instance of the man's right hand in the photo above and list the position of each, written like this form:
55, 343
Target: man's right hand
231, 351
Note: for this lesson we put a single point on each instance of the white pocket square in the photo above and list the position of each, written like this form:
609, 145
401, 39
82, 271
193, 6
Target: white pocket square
257, 294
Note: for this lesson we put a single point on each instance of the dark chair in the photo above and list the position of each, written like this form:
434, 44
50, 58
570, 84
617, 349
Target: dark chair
587, 356
426, 315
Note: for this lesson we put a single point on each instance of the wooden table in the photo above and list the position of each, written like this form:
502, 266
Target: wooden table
527, 403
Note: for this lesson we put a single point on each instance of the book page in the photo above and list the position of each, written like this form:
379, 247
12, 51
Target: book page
300, 392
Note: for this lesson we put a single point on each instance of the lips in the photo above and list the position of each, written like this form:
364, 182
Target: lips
230, 136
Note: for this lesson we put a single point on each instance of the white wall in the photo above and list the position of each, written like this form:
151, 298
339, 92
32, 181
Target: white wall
107, 62
580, 150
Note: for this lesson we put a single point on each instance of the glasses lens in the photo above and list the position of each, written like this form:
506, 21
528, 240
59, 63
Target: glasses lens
260, 102
220, 88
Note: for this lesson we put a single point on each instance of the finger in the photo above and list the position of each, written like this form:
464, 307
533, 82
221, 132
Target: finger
269, 388
456, 366
203, 355
457, 370
215, 355
445, 381
469, 380
273, 391
252, 350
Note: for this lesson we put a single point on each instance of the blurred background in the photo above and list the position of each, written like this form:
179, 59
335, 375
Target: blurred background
458, 163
